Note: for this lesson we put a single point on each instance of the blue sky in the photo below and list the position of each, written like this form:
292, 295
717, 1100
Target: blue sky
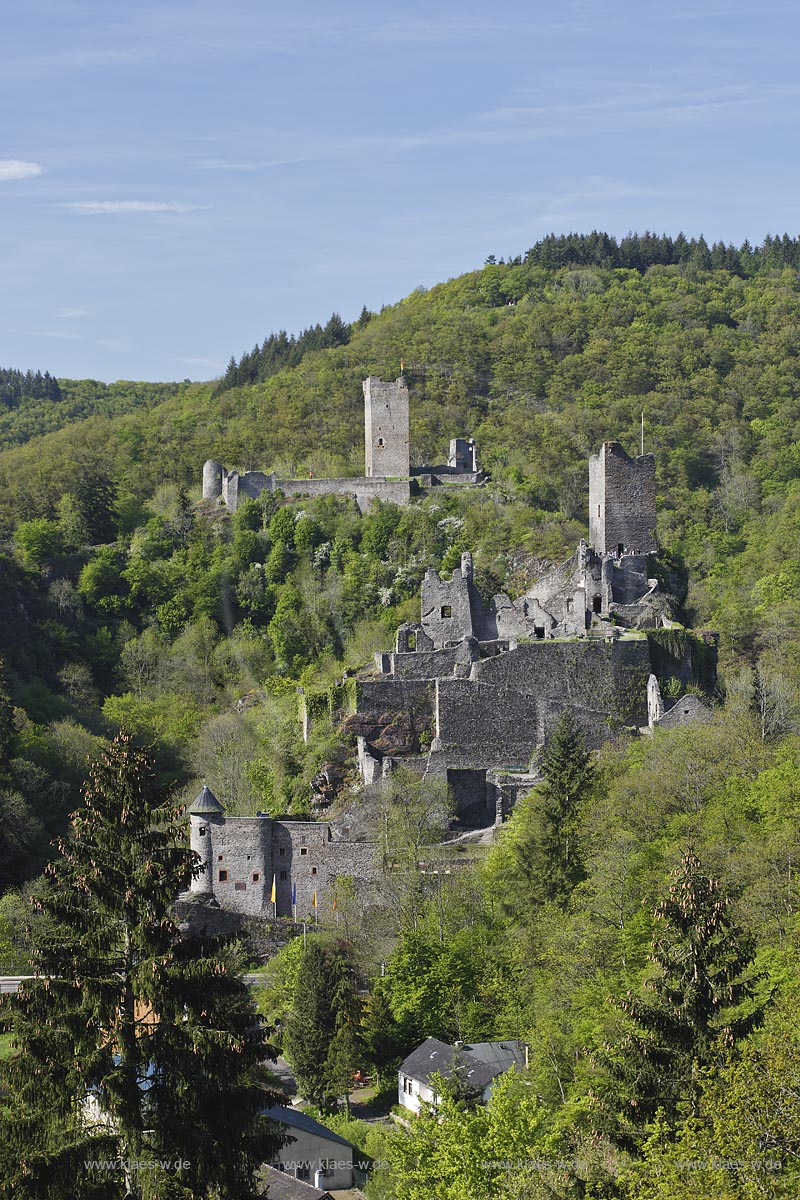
178, 178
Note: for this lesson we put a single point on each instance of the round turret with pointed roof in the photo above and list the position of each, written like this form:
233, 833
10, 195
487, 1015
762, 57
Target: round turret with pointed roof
206, 803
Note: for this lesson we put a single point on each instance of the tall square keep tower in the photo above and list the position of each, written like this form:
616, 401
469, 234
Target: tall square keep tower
622, 502
386, 427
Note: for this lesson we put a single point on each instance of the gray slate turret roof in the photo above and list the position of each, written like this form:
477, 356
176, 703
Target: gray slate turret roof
206, 802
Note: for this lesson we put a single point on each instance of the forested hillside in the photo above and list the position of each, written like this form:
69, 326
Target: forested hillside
128, 601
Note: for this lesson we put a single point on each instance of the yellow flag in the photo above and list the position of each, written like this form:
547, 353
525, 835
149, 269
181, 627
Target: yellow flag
314, 901
272, 897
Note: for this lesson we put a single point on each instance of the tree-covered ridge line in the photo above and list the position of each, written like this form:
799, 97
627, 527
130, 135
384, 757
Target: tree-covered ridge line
640, 251
280, 350
15, 386
635, 252
35, 409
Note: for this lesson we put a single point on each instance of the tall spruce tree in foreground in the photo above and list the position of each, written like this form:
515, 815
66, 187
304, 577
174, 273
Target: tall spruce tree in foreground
134, 1049
568, 777
322, 1040
701, 1002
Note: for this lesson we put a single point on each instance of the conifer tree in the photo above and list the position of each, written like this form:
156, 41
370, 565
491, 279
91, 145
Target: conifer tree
6, 722
700, 1003
322, 1039
345, 1049
311, 1025
95, 496
134, 1048
568, 777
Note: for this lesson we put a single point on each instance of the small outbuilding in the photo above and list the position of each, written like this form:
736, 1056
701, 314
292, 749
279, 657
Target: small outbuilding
313, 1153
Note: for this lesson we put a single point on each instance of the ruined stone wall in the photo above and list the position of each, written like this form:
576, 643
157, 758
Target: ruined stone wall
622, 501
386, 427
424, 664
393, 714
446, 608
629, 581
509, 704
452, 609
484, 724
236, 488
601, 681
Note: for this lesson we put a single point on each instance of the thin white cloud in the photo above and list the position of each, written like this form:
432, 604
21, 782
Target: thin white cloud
100, 207
114, 343
71, 314
211, 363
227, 164
15, 168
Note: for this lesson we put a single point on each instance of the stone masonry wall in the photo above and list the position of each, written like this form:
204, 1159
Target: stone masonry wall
446, 610
393, 714
235, 488
484, 724
510, 703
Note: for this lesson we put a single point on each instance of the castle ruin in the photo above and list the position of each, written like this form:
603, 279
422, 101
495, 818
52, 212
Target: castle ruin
471, 692
388, 474
474, 689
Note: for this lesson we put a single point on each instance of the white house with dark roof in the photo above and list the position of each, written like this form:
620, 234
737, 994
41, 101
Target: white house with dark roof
476, 1065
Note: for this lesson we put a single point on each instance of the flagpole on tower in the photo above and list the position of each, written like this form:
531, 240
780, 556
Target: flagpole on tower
642, 433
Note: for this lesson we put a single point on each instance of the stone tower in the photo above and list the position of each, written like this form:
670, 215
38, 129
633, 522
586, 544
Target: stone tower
386, 428
622, 502
212, 480
205, 816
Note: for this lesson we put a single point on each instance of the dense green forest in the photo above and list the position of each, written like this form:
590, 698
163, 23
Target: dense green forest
127, 601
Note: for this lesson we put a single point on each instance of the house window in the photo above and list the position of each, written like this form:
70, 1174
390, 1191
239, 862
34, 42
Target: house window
313, 870
380, 442
202, 831
281, 852
256, 876
240, 887
303, 1172
282, 875
304, 849
447, 611
223, 876
219, 858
